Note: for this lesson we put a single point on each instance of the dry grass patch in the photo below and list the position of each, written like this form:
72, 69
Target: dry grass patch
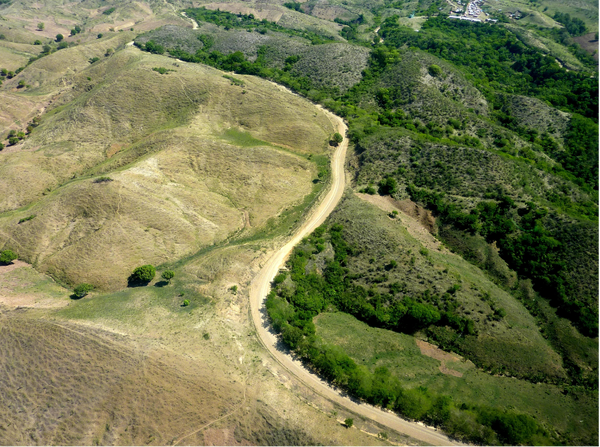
197, 163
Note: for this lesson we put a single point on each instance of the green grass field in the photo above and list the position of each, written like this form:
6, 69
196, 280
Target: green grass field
575, 416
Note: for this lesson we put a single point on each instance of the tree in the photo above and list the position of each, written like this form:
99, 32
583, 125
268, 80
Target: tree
388, 186
1, 146
349, 422
59, 37
82, 290
13, 140
7, 257
337, 138
142, 274
168, 275
40, 26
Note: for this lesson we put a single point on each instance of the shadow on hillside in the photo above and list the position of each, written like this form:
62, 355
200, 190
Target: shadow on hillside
161, 284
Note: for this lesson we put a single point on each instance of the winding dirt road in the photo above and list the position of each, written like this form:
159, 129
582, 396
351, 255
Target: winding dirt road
260, 286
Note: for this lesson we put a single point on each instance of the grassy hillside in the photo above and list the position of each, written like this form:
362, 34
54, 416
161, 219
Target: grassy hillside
129, 150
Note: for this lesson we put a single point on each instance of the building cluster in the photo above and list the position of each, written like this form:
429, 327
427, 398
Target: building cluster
472, 13
474, 8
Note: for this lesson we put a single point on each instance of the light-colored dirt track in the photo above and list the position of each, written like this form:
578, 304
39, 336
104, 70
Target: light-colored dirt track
259, 289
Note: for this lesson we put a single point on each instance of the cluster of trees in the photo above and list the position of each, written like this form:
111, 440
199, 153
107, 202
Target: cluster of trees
499, 62
575, 26
247, 21
524, 243
297, 298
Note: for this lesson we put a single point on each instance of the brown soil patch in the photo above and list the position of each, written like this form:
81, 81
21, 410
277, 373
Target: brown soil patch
419, 222
436, 353
20, 300
113, 149
589, 43
222, 436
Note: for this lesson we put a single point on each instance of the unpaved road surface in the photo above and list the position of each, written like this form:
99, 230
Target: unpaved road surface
260, 286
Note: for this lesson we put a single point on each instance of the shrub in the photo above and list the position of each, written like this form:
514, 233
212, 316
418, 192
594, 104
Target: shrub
37, 42
168, 275
435, 70
103, 180
82, 290
100, 36
337, 138
349, 422
7, 257
40, 26
1, 146
185, 303
94, 59
388, 186
13, 140
25, 219
59, 37
143, 274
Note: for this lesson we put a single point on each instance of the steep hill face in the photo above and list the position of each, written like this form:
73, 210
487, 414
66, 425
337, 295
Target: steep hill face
329, 65
148, 162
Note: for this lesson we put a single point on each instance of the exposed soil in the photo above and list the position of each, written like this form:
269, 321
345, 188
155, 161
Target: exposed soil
436, 353
589, 43
419, 222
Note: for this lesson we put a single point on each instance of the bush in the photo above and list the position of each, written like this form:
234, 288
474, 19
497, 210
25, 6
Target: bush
13, 140
168, 275
142, 274
435, 71
59, 37
82, 290
349, 422
388, 186
337, 138
185, 303
7, 257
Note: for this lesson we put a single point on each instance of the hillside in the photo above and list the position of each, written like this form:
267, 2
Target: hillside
455, 284
158, 146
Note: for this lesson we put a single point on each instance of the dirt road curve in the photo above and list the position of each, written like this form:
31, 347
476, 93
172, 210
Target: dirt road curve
259, 288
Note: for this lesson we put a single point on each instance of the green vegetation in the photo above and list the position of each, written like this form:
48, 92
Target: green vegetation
168, 275
142, 275
109, 11
292, 317
349, 422
243, 21
575, 26
7, 257
103, 179
235, 81
162, 70
499, 61
25, 219
82, 290
59, 37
